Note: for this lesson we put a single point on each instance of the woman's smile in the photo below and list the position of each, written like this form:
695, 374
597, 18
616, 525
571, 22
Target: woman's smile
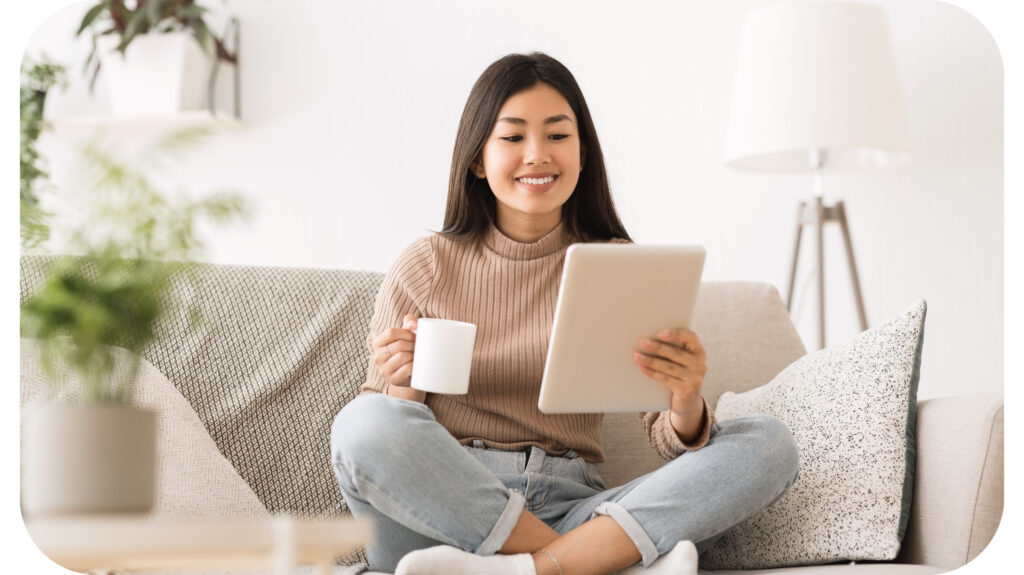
537, 183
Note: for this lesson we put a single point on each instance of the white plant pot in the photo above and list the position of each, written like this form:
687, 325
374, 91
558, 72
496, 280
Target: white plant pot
163, 75
88, 458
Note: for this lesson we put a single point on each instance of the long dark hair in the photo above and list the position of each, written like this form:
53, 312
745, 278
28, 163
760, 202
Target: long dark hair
589, 214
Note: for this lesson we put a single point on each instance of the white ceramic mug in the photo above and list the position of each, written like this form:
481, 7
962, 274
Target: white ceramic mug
443, 355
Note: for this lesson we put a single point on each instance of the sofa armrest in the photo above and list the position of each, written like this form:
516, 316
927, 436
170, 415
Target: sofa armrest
958, 487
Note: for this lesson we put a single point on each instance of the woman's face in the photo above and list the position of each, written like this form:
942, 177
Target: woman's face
532, 161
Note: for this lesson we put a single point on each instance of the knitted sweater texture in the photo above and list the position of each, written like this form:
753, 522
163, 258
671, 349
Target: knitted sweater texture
508, 289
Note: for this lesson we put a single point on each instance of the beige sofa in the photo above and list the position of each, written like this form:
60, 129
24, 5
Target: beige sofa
246, 405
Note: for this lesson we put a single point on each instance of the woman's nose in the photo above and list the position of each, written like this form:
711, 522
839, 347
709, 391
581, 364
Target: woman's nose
536, 152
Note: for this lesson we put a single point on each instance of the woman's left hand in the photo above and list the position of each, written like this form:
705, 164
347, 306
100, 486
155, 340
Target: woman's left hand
676, 359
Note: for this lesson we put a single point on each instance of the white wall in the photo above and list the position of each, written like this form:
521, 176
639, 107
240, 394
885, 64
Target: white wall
351, 108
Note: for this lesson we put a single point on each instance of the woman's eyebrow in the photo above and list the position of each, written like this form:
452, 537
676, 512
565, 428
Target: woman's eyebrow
522, 122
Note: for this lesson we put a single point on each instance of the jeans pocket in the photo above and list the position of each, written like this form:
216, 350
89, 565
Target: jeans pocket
590, 474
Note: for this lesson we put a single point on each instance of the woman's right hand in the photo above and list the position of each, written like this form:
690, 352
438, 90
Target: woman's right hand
393, 351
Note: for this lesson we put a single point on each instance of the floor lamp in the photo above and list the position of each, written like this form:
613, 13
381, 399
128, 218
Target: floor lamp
817, 89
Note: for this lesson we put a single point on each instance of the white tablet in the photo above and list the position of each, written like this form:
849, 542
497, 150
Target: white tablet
611, 296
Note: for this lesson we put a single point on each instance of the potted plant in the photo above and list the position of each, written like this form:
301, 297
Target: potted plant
160, 56
92, 317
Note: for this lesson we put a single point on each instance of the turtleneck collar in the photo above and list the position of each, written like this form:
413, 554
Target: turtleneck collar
505, 246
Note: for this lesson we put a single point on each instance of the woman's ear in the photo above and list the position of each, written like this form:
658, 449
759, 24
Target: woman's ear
478, 170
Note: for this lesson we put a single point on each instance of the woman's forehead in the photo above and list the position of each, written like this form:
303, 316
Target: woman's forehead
540, 103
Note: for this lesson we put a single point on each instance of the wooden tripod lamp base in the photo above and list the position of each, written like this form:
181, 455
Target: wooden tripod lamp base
816, 215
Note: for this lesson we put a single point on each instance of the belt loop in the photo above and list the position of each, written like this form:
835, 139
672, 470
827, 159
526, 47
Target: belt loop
535, 460
479, 444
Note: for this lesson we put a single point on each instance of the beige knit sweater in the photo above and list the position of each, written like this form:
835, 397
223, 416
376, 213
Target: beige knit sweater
508, 289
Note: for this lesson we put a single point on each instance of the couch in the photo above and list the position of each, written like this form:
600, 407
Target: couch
246, 404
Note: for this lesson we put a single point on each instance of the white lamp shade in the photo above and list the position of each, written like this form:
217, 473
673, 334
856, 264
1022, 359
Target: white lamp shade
817, 81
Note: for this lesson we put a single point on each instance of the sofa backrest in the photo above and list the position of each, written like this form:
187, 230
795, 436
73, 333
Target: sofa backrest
282, 350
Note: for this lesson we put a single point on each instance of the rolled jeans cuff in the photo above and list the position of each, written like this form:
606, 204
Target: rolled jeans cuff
631, 526
503, 527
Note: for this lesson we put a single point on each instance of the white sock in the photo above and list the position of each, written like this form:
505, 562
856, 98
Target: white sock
681, 560
446, 559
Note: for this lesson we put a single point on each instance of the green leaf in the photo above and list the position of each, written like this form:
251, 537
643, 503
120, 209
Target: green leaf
193, 11
90, 16
205, 38
136, 25
154, 11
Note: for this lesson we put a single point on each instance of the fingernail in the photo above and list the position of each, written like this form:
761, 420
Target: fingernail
646, 342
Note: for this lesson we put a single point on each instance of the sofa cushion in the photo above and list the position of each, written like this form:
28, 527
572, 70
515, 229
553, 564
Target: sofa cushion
747, 333
851, 409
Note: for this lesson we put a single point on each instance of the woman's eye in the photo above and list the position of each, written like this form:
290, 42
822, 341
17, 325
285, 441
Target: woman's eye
512, 138
559, 136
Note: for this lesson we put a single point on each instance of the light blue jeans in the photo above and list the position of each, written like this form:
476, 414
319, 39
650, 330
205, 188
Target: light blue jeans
397, 466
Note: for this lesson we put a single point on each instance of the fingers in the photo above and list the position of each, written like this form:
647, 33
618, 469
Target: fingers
382, 354
393, 349
676, 358
393, 334
398, 369
660, 351
683, 339
395, 365
670, 380
668, 368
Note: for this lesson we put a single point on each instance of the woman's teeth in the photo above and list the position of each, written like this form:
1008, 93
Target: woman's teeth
537, 181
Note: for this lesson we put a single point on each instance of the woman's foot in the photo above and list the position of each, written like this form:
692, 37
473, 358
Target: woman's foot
447, 559
681, 560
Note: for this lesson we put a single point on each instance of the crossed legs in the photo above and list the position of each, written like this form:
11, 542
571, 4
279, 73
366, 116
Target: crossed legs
747, 465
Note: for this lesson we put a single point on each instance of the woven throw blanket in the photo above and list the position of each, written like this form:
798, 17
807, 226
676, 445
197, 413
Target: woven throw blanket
278, 354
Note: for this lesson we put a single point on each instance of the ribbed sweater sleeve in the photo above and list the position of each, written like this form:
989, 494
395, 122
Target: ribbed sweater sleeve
405, 290
663, 436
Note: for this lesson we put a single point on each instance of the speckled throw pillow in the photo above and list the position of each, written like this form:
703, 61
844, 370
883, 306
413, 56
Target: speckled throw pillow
852, 411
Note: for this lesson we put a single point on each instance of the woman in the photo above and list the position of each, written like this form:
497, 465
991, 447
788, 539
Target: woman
484, 482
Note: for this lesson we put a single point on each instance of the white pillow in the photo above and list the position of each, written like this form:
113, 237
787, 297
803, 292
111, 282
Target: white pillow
852, 411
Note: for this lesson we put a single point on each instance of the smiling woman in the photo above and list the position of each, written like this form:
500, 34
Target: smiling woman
483, 481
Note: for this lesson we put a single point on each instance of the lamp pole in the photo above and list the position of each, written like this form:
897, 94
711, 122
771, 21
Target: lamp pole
817, 214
